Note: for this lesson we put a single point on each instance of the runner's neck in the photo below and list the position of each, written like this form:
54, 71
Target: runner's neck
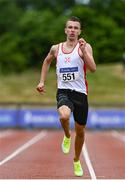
70, 44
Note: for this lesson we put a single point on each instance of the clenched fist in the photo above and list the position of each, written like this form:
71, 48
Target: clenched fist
41, 87
82, 44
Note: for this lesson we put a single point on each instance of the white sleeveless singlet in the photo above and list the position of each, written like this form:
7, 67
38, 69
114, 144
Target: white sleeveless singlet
71, 70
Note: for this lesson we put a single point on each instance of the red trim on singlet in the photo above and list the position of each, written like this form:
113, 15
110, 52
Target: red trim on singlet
79, 53
68, 52
84, 68
86, 83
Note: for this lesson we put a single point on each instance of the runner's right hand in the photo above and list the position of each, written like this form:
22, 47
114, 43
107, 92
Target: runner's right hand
40, 88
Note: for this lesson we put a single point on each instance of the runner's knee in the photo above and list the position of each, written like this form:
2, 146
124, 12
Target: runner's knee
64, 116
64, 113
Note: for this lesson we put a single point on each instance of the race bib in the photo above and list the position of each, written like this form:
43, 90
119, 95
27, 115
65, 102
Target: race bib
69, 74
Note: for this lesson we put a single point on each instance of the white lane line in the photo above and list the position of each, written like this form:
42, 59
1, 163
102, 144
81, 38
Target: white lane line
118, 136
5, 133
88, 162
24, 147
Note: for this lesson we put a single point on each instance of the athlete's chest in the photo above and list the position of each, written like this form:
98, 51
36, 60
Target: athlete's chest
69, 67
68, 59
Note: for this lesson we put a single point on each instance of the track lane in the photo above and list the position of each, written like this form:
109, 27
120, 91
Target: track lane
43, 160
23, 147
10, 142
107, 155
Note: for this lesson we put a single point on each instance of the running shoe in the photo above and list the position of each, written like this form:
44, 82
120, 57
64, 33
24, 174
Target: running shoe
78, 171
66, 145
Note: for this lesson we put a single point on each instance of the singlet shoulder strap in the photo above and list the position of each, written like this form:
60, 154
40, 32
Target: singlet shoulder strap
60, 48
77, 46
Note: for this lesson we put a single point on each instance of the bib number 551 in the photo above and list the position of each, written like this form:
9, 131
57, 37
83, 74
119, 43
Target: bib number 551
68, 76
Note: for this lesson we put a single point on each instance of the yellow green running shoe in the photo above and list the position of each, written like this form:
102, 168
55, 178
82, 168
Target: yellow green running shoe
66, 144
78, 169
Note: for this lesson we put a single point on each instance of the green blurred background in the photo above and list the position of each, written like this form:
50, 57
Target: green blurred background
28, 28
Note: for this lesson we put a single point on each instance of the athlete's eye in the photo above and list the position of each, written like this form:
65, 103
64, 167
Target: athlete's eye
73, 27
70, 27
76, 27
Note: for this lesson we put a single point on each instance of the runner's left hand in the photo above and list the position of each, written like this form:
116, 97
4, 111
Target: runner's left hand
82, 44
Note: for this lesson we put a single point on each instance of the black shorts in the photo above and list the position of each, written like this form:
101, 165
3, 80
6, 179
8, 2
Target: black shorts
76, 101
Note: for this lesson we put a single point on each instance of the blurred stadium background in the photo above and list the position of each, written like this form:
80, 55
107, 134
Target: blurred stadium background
28, 28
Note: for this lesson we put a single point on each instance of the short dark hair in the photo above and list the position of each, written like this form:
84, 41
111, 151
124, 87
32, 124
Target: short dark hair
74, 18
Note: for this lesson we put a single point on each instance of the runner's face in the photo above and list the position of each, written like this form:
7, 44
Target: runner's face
72, 30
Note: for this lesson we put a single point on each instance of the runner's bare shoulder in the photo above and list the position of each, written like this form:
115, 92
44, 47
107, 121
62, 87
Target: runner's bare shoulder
54, 49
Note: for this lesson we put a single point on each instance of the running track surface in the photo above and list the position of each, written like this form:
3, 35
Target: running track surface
36, 154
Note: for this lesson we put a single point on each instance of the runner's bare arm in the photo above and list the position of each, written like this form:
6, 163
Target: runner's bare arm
45, 67
46, 63
87, 55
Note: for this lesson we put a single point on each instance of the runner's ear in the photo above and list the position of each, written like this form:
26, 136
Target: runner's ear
79, 32
65, 31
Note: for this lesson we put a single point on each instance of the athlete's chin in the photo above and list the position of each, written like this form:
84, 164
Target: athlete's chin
72, 38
